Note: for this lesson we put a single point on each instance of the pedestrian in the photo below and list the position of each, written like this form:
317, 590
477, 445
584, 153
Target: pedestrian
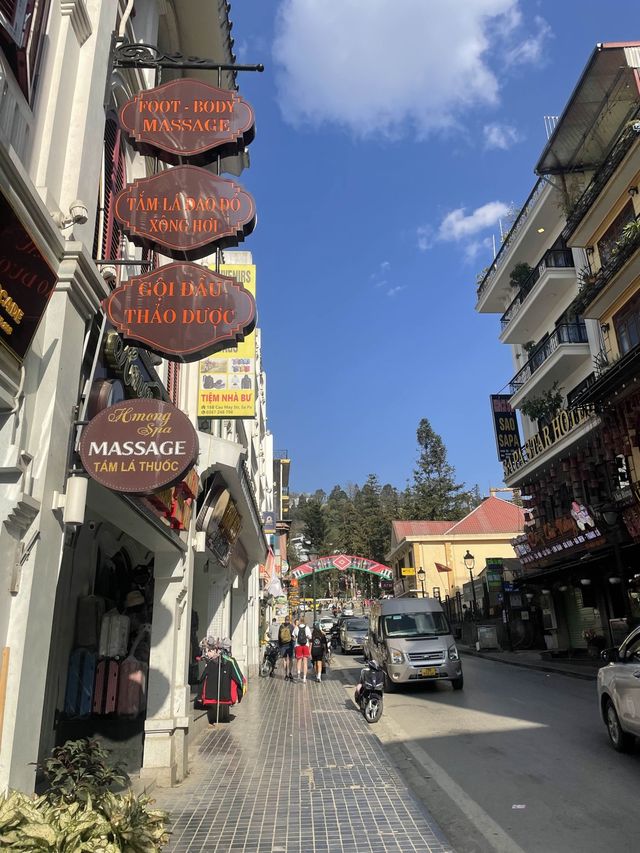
285, 641
302, 641
318, 650
274, 630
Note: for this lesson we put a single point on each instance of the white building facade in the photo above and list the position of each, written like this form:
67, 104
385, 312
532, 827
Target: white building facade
68, 544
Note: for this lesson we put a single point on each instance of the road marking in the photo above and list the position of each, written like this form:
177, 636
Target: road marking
499, 840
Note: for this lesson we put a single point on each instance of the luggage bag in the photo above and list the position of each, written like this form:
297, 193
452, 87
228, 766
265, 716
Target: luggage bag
78, 700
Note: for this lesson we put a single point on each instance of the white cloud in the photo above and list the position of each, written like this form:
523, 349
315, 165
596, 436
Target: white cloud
531, 50
501, 136
393, 290
386, 67
426, 237
457, 225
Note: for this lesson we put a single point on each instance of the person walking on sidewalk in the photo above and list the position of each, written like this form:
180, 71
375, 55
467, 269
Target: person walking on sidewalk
274, 630
318, 650
302, 640
285, 641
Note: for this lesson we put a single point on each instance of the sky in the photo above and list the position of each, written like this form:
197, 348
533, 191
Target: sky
392, 136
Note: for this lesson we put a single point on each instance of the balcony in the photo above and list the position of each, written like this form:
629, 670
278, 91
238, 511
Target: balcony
556, 357
549, 284
620, 269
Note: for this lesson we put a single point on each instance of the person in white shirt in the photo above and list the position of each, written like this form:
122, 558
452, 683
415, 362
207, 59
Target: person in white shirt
302, 646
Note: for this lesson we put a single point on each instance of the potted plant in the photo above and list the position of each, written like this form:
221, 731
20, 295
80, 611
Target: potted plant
519, 274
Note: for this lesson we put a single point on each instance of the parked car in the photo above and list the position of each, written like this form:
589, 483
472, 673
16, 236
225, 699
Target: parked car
619, 692
353, 632
326, 624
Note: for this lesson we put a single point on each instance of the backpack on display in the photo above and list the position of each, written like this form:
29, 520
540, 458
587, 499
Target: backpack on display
284, 637
302, 636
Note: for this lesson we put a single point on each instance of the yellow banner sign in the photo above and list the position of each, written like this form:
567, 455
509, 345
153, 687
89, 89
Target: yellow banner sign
227, 386
408, 572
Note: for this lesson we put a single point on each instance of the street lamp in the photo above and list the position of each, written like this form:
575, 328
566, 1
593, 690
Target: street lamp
421, 576
469, 563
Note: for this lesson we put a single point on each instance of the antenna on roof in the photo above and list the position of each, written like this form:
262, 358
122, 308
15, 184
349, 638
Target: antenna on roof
550, 123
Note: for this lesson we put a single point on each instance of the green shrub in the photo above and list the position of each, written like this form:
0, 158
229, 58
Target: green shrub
79, 769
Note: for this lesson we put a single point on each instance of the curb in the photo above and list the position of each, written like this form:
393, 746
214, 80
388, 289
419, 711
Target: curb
540, 667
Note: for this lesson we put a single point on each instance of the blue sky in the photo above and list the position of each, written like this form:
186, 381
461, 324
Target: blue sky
391, 137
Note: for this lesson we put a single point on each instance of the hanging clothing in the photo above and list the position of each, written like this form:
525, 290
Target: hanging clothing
232, 682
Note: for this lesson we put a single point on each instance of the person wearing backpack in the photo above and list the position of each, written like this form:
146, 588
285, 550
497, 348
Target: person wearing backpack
302, 640
285, 640
318, 650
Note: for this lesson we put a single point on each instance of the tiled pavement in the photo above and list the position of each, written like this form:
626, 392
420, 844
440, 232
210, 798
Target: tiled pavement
297, 771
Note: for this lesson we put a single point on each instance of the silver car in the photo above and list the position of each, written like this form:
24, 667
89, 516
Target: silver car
619, 692
353, 632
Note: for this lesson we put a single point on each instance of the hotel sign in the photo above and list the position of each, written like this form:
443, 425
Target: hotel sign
556, 537
505, 425
188, 121
139, 446
185, 212
183, 312
564, 423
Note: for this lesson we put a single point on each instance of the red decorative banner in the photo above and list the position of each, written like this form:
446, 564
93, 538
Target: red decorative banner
185, 212
188, 120
184, 312
343, 562
139, 446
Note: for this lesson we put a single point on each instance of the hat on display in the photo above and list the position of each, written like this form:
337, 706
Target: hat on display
134, 599
225, 644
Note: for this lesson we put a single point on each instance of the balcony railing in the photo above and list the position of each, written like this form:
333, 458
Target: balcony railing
607, 271
517, 226
599, 180
562, 258
16, 118
567, 333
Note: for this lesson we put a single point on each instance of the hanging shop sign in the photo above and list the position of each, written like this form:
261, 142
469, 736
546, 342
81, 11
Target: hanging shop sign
139, 447
188, 120
557, 537
268, 523
26, 284
505, 425
228, 380
126, 363
220, 520
185, 212
183, 312
564, 423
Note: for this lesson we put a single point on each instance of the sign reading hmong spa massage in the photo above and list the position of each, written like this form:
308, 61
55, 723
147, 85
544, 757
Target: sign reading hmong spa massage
185, 212
139, 446
183, 312
188, 120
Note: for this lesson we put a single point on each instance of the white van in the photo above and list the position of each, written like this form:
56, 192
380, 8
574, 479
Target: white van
411, 640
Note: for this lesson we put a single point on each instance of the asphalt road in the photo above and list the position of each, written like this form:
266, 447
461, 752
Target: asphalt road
517, 761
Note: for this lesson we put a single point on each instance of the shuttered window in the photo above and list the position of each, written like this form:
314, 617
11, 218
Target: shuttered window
108, 234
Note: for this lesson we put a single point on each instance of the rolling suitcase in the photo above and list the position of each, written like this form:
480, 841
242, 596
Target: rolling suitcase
106, 687
78, 700
88, 621
114, 635
132, 689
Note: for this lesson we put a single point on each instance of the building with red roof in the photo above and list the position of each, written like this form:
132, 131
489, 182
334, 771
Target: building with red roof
438, 547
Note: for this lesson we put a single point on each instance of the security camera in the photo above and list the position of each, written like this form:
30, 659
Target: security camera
92, 525
636, 126
79, 215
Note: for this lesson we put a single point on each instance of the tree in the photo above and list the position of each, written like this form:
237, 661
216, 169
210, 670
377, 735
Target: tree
434, 494
371, 520
315, 526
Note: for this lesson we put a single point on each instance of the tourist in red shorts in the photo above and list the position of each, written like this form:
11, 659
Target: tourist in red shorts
302, 641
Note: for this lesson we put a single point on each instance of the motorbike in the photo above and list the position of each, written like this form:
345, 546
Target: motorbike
335, 637
270, 659
369, 690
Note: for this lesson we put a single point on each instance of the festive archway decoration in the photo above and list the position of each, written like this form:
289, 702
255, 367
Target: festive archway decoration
344, 563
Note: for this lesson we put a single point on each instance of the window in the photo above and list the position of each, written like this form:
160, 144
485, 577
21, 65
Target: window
413, 625
107, 242
627, 325
22, 25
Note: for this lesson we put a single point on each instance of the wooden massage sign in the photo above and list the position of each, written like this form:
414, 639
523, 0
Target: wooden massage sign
183, 312
139, 447
189, 121
185, 211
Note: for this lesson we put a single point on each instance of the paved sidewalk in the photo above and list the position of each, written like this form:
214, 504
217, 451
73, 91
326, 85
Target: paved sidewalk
586, 668
297, 771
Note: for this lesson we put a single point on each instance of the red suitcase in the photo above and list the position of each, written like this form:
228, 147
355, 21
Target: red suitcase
105, 693
133, 686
